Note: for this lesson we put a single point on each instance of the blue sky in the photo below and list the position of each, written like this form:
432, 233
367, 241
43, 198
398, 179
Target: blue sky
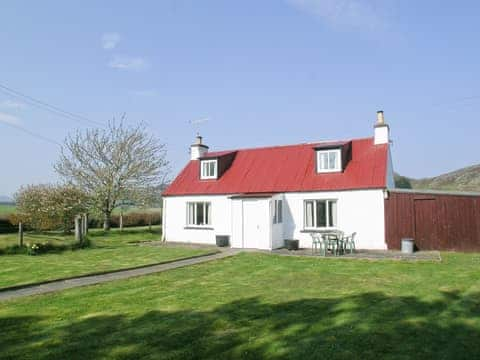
262, 73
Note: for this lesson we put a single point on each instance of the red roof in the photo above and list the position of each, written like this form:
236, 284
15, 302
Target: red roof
288, 168
216, 154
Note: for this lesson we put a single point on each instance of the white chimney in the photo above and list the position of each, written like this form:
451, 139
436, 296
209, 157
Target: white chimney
198, 149
382, 130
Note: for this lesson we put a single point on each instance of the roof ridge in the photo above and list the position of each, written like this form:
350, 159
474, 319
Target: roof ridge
291, 145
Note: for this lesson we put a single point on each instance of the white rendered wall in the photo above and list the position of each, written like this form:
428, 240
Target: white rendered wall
176, 228
360, 211
382, 135
197, 151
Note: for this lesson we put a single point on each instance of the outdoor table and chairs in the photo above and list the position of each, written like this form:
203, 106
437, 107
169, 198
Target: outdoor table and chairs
335, 242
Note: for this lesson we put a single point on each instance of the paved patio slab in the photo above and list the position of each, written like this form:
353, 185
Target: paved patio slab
368, 255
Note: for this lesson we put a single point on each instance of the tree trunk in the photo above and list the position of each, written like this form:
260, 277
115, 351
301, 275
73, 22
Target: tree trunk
150, 223
107, 221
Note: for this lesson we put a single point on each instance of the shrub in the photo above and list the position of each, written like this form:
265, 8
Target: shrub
49, 207
13, 250
43, 248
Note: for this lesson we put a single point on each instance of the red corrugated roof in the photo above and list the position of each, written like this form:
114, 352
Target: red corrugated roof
216, 154
288, 168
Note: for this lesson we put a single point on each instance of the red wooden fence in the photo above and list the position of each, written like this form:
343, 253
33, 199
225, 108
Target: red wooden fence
437, 221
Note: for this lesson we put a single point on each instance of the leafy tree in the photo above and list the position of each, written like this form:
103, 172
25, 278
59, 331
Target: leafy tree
113, 164
402, 182
50, 207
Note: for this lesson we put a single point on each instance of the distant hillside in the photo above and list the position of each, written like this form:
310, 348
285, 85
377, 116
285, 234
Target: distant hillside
5, 199
466, 179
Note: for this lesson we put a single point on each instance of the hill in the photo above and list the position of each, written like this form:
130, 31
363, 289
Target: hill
5, 199
465, 179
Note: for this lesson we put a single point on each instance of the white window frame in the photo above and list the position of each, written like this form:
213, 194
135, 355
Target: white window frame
327, 214
205, 165
277, 211
192, 215
337, 166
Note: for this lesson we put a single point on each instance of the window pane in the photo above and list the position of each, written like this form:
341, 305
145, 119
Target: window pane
332, 159
208, 213
309, 214
190, 214
332, 208
321, 210
275, 211
204, 169
212, 169
279, 213
199, 216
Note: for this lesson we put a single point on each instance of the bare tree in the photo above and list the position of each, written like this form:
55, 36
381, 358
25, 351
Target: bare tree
113, 164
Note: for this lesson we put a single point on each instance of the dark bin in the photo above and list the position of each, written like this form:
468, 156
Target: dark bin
291, 244
222, 240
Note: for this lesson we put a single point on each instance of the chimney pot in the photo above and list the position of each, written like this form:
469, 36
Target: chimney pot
380, 118
199, 139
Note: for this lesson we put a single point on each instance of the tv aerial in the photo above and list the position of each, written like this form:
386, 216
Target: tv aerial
196, 123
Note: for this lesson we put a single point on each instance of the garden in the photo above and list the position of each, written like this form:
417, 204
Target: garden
260, 306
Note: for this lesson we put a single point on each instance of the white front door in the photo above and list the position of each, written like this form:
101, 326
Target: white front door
255, 224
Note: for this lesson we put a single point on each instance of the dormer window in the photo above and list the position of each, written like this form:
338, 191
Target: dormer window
329, 160
208, 169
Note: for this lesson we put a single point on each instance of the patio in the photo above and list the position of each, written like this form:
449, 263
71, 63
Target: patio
366, 254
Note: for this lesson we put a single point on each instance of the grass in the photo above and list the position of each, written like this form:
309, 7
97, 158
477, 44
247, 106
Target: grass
111, 251
7, 209
257, 306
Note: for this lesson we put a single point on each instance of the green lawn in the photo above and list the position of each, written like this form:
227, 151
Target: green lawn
257, 306
109, 252
6, 209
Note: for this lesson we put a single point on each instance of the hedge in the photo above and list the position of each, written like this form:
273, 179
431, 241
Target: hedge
6, 227
130, 219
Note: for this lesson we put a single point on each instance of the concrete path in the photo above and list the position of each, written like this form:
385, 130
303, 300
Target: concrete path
99, 279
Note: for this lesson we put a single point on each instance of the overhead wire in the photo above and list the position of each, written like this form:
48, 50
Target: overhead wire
46, 106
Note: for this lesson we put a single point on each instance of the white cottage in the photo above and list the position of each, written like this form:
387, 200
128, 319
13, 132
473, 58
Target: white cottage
261, 196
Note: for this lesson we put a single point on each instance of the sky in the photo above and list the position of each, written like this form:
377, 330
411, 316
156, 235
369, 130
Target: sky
243, 74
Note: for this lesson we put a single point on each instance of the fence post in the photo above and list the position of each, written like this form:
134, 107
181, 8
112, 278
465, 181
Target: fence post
121, 220
78, 228
85, 224
20, 234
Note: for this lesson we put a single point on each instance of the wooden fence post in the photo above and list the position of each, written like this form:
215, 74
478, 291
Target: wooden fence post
20, 234
121, 220
85, 224
78, 228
